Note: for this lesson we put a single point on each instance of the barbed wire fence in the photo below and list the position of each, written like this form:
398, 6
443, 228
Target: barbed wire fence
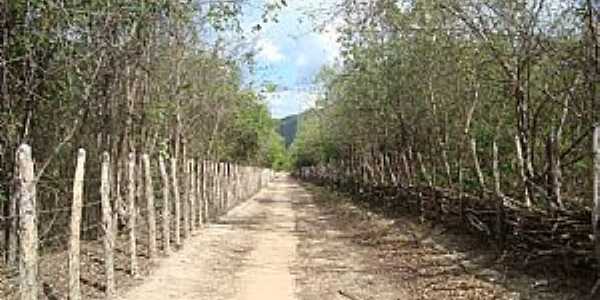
112, 227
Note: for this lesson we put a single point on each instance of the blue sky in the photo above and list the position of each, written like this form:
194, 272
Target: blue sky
290, 53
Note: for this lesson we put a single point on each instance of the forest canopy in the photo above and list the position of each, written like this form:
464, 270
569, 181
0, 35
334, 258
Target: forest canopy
122, 76
441, 83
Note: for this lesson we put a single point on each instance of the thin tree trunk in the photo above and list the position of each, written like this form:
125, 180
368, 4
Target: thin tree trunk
499, 198
523, 172
596, 196
478, 171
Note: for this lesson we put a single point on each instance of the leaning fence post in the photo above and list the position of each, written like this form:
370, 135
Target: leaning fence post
177, 203
131, 191
76, 211
166, 208
28, 250
107, 226
150, 206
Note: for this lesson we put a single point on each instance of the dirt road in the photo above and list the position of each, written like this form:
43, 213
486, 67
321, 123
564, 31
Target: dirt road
286, 243
262, 249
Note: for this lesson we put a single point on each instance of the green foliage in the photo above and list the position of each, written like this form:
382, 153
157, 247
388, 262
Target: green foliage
312, 144
411, 75
255, 134
277, 157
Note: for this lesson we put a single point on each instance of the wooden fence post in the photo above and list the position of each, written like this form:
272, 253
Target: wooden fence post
118, 205
215, 189
224, 188
28, 250
200, 192
131, 191
238, 195
186, 198
217, 201
166, 208
177, 203
199, 197
209, 189
192, 194
74, 239
150, 214
220, 186
233, 198
227, 185
215, 196
204, 192
108, 240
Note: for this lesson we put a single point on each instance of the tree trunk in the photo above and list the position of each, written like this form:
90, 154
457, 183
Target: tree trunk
596, 196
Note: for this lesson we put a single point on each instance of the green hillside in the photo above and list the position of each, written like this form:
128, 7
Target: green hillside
288, 128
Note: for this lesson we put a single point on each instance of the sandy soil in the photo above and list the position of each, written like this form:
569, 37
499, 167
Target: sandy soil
289, 243
247, 254
275, 246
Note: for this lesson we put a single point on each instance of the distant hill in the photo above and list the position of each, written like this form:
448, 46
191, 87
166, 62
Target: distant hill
288, 127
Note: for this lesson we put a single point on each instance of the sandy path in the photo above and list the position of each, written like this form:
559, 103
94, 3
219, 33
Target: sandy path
278, 245
248, 254
287, 243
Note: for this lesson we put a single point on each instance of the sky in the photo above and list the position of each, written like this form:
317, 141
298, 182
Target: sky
290, 52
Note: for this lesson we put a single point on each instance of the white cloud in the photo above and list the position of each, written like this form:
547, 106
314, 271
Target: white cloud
268, 51
328, 38
285, 103
301, 60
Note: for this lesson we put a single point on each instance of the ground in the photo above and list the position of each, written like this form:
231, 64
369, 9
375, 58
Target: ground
290, 242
